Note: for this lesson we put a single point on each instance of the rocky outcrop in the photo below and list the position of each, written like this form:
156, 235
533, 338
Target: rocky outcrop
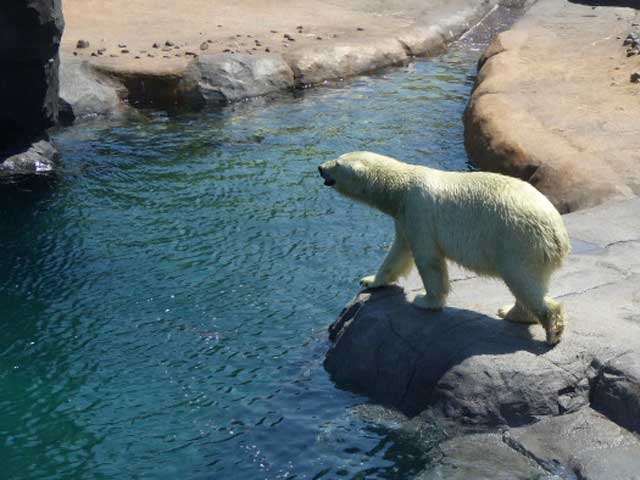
86, 93
229, 78
30, 34
262, 60
466, 370
553, 104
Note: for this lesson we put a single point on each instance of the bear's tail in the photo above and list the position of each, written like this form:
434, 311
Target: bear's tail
558, 246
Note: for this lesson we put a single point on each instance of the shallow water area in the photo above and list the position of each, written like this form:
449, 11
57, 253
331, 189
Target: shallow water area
164, 307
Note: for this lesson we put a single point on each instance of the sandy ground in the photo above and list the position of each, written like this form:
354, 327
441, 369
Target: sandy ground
124, 31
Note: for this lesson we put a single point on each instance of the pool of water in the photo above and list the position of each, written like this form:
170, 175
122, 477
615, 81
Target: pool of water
164, 307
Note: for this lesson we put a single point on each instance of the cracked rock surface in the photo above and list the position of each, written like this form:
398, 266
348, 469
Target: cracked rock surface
468, 371
554, 105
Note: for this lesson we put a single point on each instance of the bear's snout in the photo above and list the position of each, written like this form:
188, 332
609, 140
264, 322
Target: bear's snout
328, 181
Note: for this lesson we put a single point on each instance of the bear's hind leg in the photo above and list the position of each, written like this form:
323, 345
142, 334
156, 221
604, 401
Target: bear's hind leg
435, 278
517, 313
530, 290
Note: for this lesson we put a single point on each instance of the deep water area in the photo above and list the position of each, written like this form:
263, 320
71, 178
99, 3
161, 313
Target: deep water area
164, 306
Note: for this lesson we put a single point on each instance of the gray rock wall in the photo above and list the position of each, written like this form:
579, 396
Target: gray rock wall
30, 33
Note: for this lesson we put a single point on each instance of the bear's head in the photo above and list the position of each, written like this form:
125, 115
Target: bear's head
363, 176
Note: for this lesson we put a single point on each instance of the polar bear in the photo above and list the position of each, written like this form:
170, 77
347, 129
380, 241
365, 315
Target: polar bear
491, 224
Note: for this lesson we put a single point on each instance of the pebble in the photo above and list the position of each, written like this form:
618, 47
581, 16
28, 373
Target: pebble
178, 54
156, 45
122, 45
226, 50
209, 41
176, 47
204, 46
166, 56
150, 55
267, 49
124, 50
94, 54
169, 43
318, 38
75, 54
219, 26
137, 57
635, 77
360, 29
191, 54
101, 51
274, 31
82, 44
113, 55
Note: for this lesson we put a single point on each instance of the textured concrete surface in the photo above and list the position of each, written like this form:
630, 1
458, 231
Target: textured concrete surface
555, 105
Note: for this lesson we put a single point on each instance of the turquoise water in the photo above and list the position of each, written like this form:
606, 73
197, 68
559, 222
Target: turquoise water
164, 307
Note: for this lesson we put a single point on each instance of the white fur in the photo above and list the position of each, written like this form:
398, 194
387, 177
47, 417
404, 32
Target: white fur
491, 224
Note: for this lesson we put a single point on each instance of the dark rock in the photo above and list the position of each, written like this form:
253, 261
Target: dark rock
169, 43
39, 158
124, 50
156, 45
82, 44
616, 391
30, 32
66, 117
204, 46
122, 45
635, 77
360, 29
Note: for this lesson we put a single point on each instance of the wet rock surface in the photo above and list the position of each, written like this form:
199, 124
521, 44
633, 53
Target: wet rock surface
550, 409
553, 101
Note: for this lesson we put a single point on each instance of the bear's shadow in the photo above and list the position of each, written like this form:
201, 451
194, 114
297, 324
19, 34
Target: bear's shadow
384, 345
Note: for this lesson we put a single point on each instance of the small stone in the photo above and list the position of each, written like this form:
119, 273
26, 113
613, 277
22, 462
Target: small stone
226, 50
219, 26
94, 54
122, 45
209, 41
176, 47
249, 36
631, 52
113, 56
82, 44
204, 46
635, 77
75, 54
169, 43
101, 51
238, 35
190, 54
318, 38
150, 55
156, 45
124, 50
274, 31
360, 29
267, 49
166, 56
137, 57
178, 54
254, 48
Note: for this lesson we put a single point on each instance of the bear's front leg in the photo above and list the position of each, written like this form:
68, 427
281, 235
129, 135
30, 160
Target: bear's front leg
396, 264
435, 277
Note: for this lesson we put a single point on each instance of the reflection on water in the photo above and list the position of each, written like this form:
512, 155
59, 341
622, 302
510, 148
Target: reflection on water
164, 307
